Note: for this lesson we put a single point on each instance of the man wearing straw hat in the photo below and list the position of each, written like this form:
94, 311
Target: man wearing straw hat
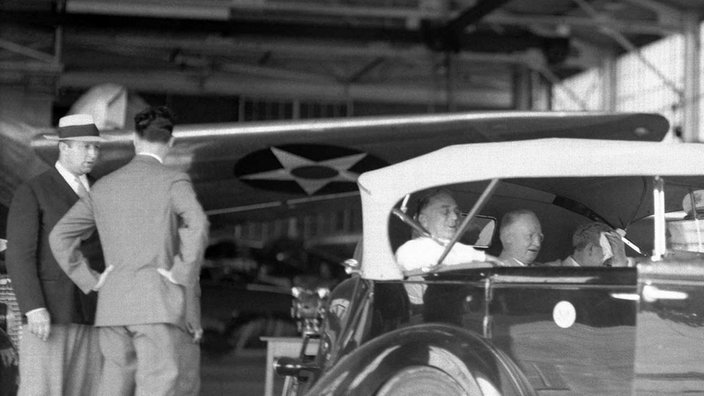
59, 353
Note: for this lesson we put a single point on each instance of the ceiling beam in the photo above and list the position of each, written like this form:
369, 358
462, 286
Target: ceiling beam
228, 84
27, 51
664, 11
622, 25
474, 14
478, 41
669, 17
285, 47
217, 8
206, 10
448, 36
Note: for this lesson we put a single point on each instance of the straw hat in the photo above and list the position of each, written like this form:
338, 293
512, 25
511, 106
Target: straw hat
79, 127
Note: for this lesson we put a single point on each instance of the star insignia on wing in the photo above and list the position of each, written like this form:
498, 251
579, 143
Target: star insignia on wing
309, 174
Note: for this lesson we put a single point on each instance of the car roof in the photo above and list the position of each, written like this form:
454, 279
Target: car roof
540, 159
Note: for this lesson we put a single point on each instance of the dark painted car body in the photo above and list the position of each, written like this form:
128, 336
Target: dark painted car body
500, 323
537, 330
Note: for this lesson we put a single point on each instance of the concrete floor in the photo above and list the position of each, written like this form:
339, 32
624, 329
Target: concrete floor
240, 374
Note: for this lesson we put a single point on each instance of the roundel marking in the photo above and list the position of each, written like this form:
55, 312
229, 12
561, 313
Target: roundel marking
313, 169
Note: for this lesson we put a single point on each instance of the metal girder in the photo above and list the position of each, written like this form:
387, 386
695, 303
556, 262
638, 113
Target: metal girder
196, 10
26, 51
218, 9
630, 47
448, 36
625, 26
480, 41
669, 17
290, 48
228, 84
364, 70
664, 11
474, 14
691, 130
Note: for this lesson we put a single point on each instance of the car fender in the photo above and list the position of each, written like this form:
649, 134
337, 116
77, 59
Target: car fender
473, 363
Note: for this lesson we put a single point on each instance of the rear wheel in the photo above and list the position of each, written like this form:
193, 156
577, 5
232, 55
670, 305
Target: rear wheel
421, 380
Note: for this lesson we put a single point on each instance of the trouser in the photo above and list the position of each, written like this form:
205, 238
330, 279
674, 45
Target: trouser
67, 363
143, 360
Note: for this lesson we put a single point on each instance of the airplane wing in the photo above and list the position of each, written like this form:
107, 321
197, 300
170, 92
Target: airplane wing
266, 170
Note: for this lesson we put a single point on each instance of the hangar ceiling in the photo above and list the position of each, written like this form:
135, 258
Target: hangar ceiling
478, 51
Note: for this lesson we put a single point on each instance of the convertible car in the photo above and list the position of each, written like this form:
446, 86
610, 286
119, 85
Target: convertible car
537, 330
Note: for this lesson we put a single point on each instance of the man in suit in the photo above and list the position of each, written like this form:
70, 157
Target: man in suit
153, 232
521, 237
439, 214
59, 352
595, 245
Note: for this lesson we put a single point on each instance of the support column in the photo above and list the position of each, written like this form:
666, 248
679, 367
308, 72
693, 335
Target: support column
522, 88
608, 82
692, 52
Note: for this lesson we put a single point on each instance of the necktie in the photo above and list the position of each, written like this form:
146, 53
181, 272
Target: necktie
81, 190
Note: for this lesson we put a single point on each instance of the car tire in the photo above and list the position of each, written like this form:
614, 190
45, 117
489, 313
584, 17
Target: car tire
421, 380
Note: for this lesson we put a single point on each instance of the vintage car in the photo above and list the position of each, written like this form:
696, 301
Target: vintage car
536, 330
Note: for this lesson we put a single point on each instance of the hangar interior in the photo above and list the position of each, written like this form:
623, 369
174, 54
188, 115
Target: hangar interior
231, 61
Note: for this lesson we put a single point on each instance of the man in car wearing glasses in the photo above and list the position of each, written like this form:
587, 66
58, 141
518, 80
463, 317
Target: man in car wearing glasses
521, 237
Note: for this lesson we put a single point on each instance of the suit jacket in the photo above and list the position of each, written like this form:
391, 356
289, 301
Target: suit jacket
148, 218
37, 279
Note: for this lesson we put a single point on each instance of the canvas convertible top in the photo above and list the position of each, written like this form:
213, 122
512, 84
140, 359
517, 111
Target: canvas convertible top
539, 160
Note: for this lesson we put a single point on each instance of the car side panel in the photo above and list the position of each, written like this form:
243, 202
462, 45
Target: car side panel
471, 361
670, 336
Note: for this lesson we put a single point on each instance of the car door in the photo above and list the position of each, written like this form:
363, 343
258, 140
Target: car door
565, 328
670, 328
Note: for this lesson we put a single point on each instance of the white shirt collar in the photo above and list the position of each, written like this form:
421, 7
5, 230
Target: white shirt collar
71, 178
570, 261
161, 161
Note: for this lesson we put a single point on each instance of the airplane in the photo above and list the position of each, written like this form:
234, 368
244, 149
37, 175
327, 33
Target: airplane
267, 169
263, 171
293, 169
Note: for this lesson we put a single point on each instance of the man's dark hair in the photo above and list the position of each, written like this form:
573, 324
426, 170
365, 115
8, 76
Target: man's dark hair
427, 198
154, 124
588, 233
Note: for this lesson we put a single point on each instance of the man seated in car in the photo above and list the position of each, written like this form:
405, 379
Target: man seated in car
521, 238
438, 213
595, 245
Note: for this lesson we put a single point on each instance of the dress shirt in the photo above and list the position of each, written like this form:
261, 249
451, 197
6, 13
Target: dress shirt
161, 161
72, 179
513, 262
424, 252
570, 262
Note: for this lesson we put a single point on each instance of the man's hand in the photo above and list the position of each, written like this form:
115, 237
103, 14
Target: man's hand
167, 274
8, 357
103, 277
196, 332
39, 323
494, 261
618, 248
193, 320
